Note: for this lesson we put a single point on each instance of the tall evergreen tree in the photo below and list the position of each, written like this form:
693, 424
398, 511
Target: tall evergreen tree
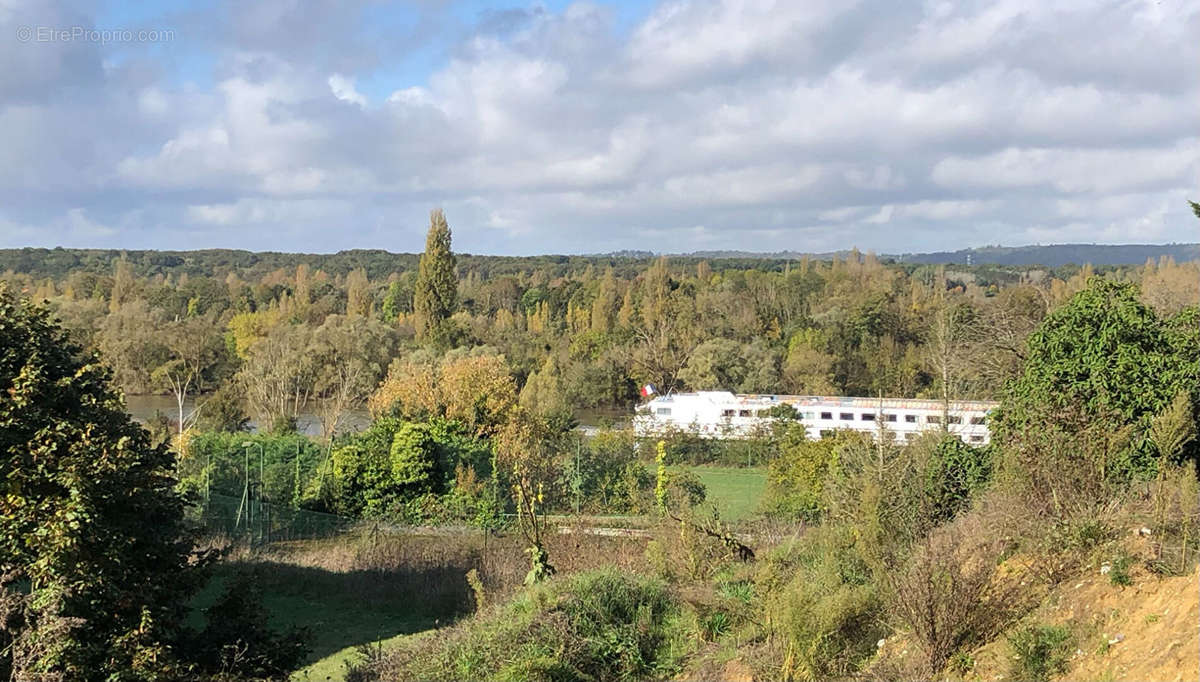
436, 292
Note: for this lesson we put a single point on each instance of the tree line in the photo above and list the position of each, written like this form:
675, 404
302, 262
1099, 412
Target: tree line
585, 331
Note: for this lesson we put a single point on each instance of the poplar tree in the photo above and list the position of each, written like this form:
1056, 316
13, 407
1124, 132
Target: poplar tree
436, 292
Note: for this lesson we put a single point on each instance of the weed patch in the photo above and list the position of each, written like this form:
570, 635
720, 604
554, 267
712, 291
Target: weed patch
1040, 651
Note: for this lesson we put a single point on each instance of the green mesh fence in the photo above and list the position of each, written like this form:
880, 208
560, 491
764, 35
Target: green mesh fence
260, 521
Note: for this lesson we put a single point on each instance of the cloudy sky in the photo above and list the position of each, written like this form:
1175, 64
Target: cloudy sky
579, 127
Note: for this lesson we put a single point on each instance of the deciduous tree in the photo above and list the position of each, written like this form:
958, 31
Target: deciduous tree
89, 518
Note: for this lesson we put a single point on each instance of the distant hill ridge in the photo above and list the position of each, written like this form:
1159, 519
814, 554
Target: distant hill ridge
41, 262
1050, 255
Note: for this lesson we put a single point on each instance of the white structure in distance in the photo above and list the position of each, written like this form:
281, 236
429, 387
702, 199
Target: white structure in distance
721, 414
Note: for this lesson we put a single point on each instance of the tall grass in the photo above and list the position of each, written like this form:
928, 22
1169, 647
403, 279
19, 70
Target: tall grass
601, 625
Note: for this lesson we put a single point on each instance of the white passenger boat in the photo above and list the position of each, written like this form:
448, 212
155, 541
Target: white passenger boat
721, 414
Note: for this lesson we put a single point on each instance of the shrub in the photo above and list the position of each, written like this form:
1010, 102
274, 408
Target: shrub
954, 473
828, 611
950, 594
686, 446
1175, 517
797, 477
393, 463
600, 625
713, 625
1118, 573
1104, 360
962, 663
604, 475
1040, 651
218, 461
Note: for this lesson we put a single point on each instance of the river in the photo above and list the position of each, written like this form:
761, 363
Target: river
144, 407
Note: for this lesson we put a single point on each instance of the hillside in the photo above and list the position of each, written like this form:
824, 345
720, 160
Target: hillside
57, 262
1049, 255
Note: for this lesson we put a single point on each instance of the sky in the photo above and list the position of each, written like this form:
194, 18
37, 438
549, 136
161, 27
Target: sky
590, 127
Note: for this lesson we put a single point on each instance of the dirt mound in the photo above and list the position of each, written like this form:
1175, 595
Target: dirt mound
1149, 630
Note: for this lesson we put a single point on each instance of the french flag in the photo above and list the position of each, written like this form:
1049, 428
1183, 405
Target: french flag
648, 390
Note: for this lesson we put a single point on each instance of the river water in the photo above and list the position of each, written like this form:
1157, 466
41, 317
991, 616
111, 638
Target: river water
145, 407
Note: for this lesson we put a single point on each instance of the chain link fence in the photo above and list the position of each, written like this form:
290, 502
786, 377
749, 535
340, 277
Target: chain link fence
259, 521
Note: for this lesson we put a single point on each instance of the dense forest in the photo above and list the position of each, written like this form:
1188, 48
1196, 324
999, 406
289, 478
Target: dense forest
279, 332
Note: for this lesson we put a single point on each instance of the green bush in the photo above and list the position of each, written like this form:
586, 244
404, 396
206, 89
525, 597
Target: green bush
388, 469
1118, 573
218, 461
603, 475
824, 605
687, 447
954, 473
797, 477
1107, 360
1040, 651
600, 625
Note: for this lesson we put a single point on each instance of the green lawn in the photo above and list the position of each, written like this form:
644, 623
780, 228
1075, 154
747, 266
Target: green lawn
736, 491
345, 609
333, 666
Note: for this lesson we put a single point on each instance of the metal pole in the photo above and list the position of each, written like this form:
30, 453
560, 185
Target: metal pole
262, 489
249, 507
246, 496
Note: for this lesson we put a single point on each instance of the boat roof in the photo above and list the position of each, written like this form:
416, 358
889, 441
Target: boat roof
800, 401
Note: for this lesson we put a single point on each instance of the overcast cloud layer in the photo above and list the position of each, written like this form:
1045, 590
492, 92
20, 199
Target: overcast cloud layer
683, 125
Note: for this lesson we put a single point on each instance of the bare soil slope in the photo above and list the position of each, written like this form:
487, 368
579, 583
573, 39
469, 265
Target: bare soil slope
1149, 630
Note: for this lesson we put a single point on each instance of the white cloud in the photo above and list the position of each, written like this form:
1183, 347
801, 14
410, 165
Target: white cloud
1074, 170
752, 124
343, 89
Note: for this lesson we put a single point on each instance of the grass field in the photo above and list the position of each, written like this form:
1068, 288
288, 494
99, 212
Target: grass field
736, 491
351, 590
334, 607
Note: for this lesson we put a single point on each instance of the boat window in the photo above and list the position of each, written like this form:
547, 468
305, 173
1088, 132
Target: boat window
910, 418
868, 416
846, 416
664, 411
889, 417
745, 413
954, 419
978, 421
933, 419
826, 415
727, 413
